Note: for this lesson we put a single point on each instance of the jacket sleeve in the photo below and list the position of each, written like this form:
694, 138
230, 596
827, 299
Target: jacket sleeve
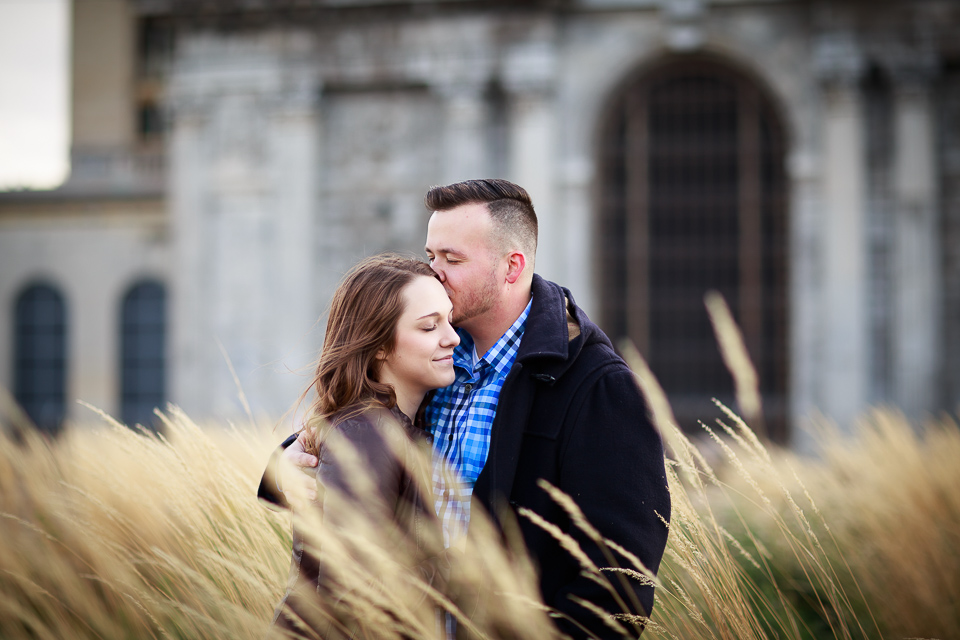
613, 467
359, 462
270, 492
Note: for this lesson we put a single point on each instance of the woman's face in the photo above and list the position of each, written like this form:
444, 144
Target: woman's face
422, 358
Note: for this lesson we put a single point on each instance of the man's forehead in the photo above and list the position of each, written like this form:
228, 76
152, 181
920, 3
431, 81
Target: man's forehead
447, 240
454, 231
471, 213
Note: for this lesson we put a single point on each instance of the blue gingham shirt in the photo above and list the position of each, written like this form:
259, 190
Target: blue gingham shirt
460, 418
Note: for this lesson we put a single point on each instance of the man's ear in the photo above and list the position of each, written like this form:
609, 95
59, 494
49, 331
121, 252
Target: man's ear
516, 263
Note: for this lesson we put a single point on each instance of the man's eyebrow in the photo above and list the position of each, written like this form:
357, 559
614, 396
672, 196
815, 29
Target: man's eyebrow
445, 250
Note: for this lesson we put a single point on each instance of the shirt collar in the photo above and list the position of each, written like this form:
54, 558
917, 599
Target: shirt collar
501, 355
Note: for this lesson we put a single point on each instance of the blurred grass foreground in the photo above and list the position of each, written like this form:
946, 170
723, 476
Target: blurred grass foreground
115, 533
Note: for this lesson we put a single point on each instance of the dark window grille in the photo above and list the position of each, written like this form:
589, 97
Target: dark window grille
156, 44
142, 353
151, 122
694, 200
40, 361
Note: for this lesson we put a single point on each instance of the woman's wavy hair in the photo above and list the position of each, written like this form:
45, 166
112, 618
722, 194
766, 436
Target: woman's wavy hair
362, 320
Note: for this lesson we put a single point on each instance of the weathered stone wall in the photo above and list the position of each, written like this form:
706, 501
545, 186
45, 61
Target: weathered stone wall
92, 254
295, 147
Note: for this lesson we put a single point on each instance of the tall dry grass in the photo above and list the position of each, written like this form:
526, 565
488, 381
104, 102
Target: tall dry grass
859, 542
111, 533
114, 533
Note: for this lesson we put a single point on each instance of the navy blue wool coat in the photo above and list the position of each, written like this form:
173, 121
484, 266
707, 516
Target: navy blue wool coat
571, 412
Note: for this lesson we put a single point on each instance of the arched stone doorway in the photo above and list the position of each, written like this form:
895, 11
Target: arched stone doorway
693, 198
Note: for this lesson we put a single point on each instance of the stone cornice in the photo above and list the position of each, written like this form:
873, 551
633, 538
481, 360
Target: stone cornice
247, 12
33, 206
838, 58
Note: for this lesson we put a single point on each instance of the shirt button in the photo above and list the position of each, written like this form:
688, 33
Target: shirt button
468, 388
450, 437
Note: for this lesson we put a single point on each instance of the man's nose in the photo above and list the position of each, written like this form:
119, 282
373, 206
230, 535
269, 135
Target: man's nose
437, 270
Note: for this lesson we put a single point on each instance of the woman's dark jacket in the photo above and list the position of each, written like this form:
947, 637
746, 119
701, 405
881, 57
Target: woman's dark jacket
385, 444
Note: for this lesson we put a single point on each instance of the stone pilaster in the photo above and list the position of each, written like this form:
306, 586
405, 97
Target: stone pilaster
466, 150
683, 24
917, 256
529, 76
845, 357
243, 149
806, 222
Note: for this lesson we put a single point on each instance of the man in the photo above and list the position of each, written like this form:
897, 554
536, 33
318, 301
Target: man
539, 393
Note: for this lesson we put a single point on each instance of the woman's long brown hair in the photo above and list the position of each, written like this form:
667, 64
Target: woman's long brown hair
363, 319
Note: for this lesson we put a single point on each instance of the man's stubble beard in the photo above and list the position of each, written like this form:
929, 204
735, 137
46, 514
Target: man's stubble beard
477, 302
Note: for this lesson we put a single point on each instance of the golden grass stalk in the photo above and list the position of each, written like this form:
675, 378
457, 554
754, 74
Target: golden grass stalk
736, 358
112, 533
116, 534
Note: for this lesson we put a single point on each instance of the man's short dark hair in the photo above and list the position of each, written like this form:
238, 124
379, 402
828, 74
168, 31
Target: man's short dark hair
510, 207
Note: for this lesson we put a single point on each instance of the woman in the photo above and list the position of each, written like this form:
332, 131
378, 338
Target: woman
388, 342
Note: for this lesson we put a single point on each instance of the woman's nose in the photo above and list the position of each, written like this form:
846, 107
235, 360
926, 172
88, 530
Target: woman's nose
452, 338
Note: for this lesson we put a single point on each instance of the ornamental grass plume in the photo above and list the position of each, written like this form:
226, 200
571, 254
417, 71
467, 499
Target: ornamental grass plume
110, 533
114, 533
859, 541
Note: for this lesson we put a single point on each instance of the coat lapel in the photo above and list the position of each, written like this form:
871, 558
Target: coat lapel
543, 352
513, 411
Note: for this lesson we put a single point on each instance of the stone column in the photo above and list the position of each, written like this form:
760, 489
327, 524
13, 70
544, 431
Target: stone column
243, 161
529, 73
844, 357
917, 276
806, 222
465, 150
189, 326
294, 303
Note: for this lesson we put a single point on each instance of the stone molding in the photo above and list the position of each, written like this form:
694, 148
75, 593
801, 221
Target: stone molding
683, 21
838, 59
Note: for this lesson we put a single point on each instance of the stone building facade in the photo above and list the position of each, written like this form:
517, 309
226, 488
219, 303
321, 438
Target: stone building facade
803, 158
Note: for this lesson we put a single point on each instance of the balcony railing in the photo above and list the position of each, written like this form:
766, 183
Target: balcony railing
116, 172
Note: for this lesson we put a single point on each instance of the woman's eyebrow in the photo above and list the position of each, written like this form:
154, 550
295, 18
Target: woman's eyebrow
435, 314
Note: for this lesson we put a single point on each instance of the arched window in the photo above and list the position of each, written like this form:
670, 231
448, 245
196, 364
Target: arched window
142, 349
693, 200
40, 356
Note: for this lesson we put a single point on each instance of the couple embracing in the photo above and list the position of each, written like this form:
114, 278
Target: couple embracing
509, 382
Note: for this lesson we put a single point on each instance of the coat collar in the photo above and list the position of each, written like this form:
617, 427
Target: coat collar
548, 337
546, 352
547, 345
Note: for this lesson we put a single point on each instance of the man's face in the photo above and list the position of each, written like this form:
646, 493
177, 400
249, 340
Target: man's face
459, 248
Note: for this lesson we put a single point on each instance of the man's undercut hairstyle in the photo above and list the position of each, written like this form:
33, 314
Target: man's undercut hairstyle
510, 207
